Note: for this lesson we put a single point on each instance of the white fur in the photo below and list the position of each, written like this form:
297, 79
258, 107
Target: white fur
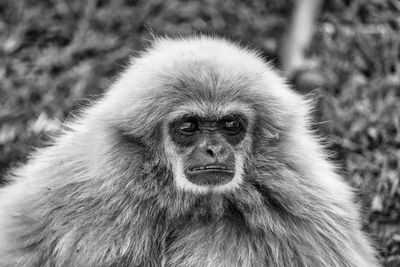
204, 109
184, 184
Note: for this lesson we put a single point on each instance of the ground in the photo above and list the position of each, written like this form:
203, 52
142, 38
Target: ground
55, 56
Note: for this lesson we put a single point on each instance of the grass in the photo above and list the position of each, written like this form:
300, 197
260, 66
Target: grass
57, 54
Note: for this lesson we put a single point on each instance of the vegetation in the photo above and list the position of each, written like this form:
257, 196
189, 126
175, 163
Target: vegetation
55, 55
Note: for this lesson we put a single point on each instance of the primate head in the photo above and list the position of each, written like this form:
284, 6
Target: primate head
204, 108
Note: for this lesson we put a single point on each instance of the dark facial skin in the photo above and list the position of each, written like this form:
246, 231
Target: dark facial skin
208, 146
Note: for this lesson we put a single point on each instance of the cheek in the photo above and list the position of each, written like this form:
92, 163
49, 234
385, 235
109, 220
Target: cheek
185, 141
235, 140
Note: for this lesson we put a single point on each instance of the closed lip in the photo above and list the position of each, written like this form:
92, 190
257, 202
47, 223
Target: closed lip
209, 168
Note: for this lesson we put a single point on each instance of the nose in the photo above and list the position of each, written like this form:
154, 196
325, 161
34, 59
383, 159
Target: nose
214, 150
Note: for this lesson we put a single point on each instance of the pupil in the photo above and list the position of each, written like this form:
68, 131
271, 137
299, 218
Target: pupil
232, 125
188, 127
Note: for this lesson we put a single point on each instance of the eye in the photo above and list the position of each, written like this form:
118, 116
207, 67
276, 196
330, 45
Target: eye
188, 126
232, 126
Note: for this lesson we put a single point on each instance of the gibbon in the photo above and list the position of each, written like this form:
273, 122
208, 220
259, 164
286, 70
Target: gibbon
198, 155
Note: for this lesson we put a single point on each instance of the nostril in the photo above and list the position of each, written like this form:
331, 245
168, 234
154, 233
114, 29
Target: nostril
214, 150
210, 152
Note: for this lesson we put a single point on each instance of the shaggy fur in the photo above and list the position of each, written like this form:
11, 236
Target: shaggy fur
104, 193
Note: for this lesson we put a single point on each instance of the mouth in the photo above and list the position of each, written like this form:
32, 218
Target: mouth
209, 168
210, 175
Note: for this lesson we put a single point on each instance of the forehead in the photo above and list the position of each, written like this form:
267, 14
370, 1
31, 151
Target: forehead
213, 111
208, 90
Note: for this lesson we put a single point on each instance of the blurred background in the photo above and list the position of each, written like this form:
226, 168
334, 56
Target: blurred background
57, 55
